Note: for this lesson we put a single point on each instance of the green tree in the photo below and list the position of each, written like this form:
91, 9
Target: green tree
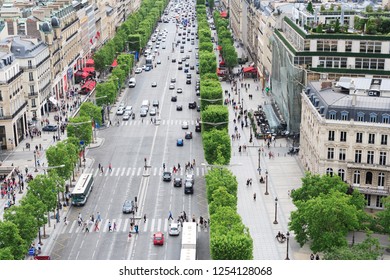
322, 8
118, 77
207, 62
369, 249
230, 56
11, 241
337, 26
371, 25
91, 111
59, 155
369, 9
324, 220
216, 141
222, 198
6, 253
106, 93
229, 238
309, 8
80, 128
220, 177
206, 46
384, 216
215, 117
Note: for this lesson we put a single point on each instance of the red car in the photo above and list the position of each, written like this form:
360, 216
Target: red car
158, 238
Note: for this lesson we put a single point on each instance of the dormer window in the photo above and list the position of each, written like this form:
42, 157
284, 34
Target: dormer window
360, 117
373, 117
332, 115
344, 115
385, 118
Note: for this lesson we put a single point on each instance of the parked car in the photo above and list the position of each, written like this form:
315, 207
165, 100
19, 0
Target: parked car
138, 71
50, 127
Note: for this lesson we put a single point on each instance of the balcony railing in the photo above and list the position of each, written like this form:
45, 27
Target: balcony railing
373, 190
366, 166
33, 94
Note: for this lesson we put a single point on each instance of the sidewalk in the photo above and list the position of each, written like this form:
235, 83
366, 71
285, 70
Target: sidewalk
284, 174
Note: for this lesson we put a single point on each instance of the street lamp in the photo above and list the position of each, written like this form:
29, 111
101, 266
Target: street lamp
259, 161
288, 239
266, 183
35, 161
276, 211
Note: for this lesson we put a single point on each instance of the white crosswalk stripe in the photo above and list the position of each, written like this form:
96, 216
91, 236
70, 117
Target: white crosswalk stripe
123, 225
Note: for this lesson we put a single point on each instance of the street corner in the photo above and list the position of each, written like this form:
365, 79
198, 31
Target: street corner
96, 143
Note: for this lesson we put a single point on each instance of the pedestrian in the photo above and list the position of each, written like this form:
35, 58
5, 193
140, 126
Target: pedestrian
170, 215
65, 221
144, 218
317, 257
163, 166
101, 169
98, 219
54, 138
254, 196
99, 166
178, 166
109, 226
96, 226
129, 236
311, 256
114, 228
110, 167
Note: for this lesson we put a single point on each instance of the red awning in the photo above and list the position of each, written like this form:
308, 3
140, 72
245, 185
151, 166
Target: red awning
90, 62
224, 14
114, 63
222, 63
250, 69
90, 85
82, 74
219, 48
89, 69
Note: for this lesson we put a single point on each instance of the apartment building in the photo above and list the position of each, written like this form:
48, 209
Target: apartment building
345, 131
13, 106
33, 57
301, 55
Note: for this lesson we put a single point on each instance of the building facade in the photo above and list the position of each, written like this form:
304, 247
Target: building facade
345, 131
13, 105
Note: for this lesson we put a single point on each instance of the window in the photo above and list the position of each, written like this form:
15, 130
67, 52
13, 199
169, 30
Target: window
356, 177
343, 136
382, 158
359, 137
381, 179
1, 112
31, 89
358, 156
330, 153
344, 116
385, 118
360, 117
331, 135
370, 47
33, 104
384, 139
341, 174
342, 153
367, 197
370, 157
369, 178
348, 46
379, 202
30, 76
371, 138
1, 96
329, 172
29, 64
373, 117
332, 115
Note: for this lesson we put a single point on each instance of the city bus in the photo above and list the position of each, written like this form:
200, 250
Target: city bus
149, 61
188, 241
82, 189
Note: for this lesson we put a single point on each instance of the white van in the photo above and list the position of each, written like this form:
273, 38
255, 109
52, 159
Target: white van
132, 82
145, 104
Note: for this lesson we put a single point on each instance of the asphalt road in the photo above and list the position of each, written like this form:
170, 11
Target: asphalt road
125, 147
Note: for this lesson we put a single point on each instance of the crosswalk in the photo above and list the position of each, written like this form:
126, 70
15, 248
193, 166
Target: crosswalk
146, 121
139, 171
122, 225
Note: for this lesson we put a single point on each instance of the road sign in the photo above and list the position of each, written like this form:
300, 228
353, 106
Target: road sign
81, 142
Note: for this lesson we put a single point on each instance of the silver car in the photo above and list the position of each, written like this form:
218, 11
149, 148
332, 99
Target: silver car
174, 229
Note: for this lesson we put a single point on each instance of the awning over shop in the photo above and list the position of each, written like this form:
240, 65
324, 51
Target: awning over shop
90, 62
224, 14
53, 100
219, 48
222, 63
89, 69
250, 69
114, 63
82, 74
89, 85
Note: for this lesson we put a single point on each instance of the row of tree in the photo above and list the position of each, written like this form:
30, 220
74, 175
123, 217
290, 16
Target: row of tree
225, 41
327, 210
131, 37
229, 238
23, 221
